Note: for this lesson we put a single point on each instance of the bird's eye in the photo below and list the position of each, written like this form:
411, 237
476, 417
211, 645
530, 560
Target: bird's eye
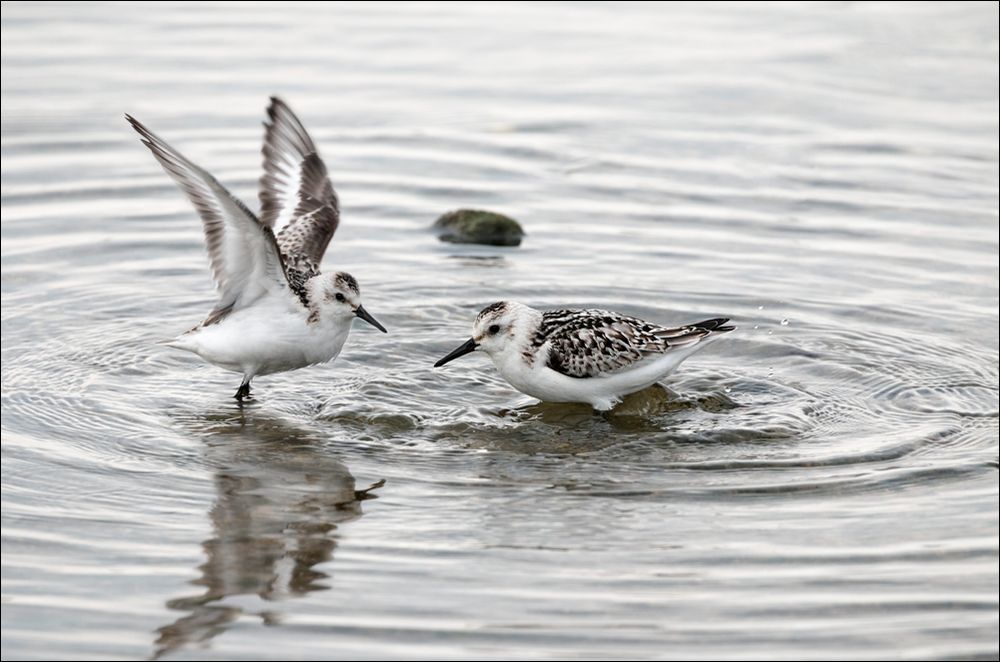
494, 329
340, 297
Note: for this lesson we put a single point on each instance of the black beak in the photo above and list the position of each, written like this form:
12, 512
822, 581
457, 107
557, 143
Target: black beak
366, 316
469, 345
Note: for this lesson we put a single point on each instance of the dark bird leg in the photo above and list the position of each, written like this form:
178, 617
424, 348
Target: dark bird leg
243, 392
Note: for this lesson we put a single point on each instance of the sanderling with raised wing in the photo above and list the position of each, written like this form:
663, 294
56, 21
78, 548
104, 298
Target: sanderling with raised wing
276, 311
591, 356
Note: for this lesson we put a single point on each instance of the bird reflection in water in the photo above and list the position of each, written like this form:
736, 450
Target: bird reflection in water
281, 497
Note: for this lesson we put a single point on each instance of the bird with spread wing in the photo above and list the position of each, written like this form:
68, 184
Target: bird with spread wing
276, 311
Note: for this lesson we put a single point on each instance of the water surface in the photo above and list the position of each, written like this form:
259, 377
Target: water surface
822, 483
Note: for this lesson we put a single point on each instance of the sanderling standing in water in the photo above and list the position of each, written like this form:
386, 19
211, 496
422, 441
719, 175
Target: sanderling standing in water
276, 311
591, 356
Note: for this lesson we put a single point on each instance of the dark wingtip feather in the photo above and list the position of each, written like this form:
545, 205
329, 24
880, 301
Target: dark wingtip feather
134, 123
714, 324
275, 104
148, 137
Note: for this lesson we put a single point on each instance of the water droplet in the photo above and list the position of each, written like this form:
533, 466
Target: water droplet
756, 326
728, 389
784, 322
760, 307
770, 331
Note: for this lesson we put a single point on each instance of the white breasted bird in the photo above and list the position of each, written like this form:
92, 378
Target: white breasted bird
276, 311
591, 356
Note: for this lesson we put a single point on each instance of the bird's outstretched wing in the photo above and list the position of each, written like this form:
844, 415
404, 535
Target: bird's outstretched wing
296, 196
594, 343
243, 253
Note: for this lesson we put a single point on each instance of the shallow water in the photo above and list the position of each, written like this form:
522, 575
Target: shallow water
823, 483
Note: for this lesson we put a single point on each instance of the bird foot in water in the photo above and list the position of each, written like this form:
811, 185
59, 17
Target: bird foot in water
243, 392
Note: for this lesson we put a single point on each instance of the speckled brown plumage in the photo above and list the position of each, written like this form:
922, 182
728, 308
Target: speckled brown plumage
296, 195
347, 281
590, 343
495, 310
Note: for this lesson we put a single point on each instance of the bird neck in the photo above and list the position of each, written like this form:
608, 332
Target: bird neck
520, 353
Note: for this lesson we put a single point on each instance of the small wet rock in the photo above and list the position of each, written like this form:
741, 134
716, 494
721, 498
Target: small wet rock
476, 226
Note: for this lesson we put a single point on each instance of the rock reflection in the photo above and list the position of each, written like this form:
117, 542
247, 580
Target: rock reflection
280, 499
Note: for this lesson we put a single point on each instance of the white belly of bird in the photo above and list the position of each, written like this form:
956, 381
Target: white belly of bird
603, 392
262, 340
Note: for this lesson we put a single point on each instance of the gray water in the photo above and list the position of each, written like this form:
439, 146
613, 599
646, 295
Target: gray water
822, 483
